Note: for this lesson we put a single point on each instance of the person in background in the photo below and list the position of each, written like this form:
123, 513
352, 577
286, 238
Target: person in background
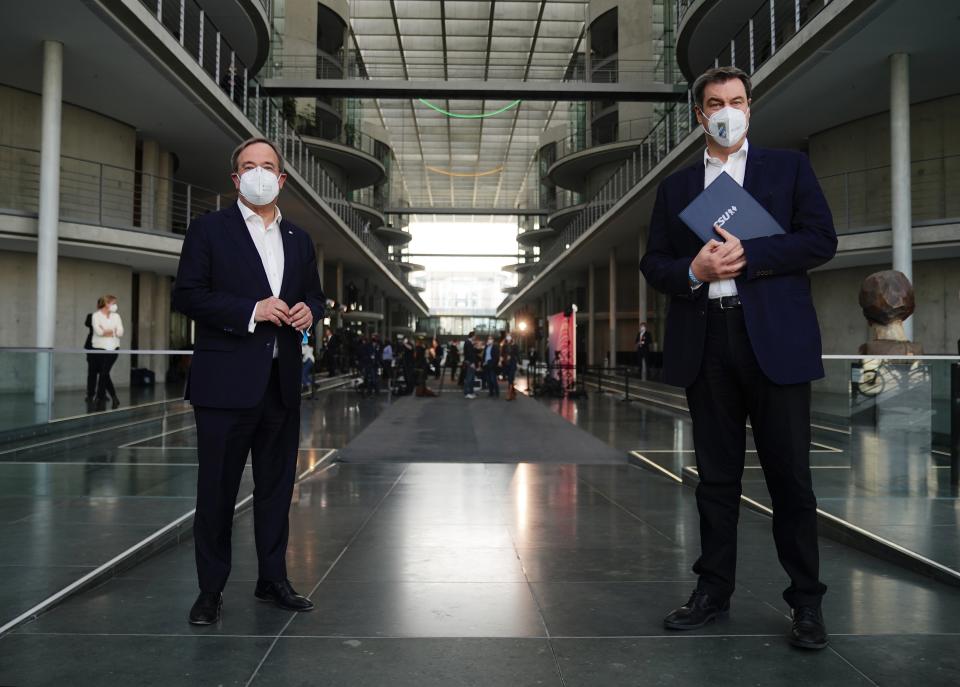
421, 357
453, 359
406, 362
469, 365
509, 359
491, 357
92, 363
643, 348
306, 354
107, 331
332, 353
386, 355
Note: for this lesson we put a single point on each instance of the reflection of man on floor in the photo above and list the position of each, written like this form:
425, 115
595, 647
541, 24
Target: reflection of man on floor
742, 338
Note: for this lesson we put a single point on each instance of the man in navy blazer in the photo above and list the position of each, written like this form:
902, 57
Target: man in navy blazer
248, 278
742, 338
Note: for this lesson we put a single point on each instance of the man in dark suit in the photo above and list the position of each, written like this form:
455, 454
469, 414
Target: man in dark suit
742, 338
240, 270
643, 347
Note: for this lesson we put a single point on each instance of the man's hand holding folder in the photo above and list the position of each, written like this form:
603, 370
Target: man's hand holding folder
733, 215
719, 260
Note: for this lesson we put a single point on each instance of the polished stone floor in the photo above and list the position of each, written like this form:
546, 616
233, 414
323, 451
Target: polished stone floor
499, 573
889, 482
80, 498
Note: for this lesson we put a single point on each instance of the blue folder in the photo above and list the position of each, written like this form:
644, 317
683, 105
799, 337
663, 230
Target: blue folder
726, 203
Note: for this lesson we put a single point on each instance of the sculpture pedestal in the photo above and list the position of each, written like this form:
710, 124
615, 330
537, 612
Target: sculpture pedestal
891, 416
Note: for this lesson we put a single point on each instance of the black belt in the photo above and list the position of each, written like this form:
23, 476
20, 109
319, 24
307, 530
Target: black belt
723, 303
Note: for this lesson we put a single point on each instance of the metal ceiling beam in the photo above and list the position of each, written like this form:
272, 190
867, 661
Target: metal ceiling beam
624, 91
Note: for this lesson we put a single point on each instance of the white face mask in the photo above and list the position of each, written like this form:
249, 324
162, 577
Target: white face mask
113, 307
727, 126
259, 186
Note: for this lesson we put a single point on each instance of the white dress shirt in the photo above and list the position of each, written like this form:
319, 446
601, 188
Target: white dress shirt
735, 166
269, 245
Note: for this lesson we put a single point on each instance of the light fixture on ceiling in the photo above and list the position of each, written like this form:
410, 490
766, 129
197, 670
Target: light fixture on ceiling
456, 115
495, 170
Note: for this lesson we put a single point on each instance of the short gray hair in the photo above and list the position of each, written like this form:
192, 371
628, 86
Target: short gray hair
719, 75
249, 142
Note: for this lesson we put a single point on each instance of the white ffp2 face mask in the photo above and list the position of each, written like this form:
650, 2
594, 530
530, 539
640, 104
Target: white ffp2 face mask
727, 126
259, 186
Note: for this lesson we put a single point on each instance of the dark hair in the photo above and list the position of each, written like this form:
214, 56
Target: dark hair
249, 142
719, 75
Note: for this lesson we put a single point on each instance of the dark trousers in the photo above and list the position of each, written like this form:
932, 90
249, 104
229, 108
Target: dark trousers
93, 372
490, 374
224, 438
730, 389
104, 363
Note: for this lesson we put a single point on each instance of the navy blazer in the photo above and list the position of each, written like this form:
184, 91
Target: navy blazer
219, 281
774, 288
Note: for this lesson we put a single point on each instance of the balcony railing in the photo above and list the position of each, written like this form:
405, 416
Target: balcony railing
860, 199
602, 133
104, 195
201, 39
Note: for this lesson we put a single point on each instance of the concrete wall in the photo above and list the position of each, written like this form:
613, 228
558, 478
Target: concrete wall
98, 185
79, 284
853, 161
936, 319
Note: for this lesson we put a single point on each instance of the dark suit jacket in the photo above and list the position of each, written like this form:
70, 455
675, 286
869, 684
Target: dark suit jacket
219, 281
774, 288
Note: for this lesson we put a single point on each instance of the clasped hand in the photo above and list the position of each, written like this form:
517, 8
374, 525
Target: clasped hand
279, 313
719, 260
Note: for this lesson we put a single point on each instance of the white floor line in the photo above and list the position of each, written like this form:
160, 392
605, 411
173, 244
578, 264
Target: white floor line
130, 444
751, 450
100, 430
657, 467
119, 558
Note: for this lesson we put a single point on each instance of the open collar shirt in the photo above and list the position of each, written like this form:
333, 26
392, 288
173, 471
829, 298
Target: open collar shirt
736, 167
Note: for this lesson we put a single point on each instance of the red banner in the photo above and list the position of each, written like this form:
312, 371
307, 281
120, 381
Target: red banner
562, 338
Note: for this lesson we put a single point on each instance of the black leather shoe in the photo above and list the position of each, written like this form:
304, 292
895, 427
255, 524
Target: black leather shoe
206, 609
282, 595
808, 631
697, 612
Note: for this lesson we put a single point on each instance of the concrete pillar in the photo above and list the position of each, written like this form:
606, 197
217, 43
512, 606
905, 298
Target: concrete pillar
144, 323
149, 166
613, 309
642, 301
901, 211
49, 216
387, 324
319, 252
338, 321
161, 325
592, 315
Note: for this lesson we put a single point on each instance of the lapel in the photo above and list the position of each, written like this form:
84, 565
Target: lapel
694, 182
248, 248
753, 174
289, 259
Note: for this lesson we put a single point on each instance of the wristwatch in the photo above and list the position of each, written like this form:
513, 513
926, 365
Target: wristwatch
694, 282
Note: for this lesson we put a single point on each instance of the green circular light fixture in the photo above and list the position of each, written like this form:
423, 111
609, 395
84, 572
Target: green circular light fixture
456, 115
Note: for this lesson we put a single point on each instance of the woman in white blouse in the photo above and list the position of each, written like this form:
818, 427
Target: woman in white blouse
107, 330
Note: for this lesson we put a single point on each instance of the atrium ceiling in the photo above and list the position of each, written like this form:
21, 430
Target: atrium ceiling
449, 155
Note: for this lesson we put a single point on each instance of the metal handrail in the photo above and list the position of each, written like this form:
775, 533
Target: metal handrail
106, 195
859, 198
